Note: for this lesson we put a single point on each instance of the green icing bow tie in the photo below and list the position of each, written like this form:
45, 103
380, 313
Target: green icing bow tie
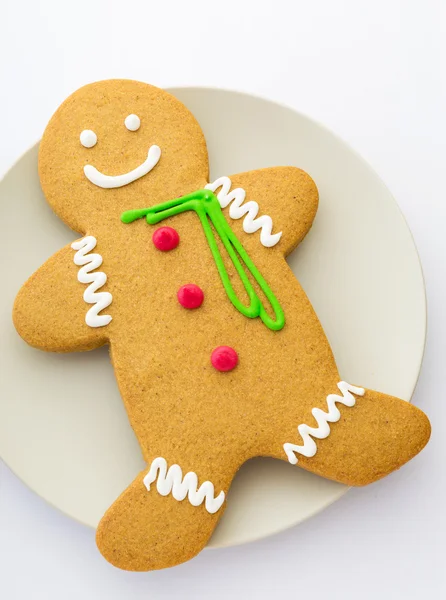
205, 203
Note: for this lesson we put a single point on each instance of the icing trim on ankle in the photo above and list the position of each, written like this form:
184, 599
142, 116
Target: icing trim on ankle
322, 431
171, 481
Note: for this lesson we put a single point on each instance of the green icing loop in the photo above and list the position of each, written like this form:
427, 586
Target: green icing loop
205, 203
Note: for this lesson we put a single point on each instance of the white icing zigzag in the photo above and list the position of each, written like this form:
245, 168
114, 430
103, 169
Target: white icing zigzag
172, 481
322, 431
100, 300
251, 224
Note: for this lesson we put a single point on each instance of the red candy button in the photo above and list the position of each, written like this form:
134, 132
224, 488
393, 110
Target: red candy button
190, 296
165, 238
224, 358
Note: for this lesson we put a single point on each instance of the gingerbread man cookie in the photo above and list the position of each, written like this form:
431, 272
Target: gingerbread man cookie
217, 351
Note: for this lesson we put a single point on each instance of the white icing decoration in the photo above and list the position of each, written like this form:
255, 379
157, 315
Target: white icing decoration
172, 481
88, 138
251, 224
132, 122
322, 431
100, 300
115, 181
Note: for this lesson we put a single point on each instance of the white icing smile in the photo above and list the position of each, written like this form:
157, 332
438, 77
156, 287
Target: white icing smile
115, 181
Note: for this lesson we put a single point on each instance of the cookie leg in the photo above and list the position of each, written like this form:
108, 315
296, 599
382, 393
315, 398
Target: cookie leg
165, 517
355, 436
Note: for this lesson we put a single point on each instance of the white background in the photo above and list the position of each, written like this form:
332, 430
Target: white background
375, 73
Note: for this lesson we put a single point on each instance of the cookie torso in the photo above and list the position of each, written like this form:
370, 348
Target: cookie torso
172, 359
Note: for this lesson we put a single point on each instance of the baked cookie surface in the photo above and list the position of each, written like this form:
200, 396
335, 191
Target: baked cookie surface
217, 351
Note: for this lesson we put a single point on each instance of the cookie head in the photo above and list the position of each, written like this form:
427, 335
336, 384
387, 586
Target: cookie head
117, 143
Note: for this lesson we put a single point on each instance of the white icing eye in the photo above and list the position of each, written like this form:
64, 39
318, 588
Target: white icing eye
132, 122
88, 138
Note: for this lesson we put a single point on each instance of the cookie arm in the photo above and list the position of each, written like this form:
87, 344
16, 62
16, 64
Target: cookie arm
50, 311
277, 205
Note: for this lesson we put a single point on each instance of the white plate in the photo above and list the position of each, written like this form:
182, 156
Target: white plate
67, 436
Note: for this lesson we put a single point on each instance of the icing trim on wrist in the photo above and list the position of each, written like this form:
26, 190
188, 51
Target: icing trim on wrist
90, 262
237, 210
